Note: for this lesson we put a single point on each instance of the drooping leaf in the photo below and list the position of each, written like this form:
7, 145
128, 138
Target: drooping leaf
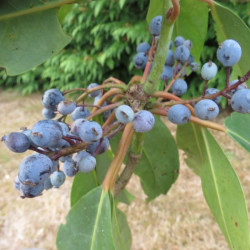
121, 231
125, 197
159, 166
30, 34
190, 140
230, 26
88, 224
154, 9
192, 25
224, 195
238, 127
82, 184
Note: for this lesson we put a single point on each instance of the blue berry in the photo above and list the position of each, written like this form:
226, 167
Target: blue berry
90, 131
170, 45
80, 112
143, 47
46, 133
143, 121
182, 53
85, 162
16, 142
209, 70
51, 98
179, 114
91, 148
48, 114
65, 158
76, 125
28, 191
66, 107
229, 53
170, 59
34, 169
167, 73
47, 184
241, 101
188, 44
17, 183
241, 86
69, 168
183, 73
95, 93
179, 40
140, 60
190, 59
155, 26
194, 66
124, 114
206, 109
57, 178
212, 91
179, 87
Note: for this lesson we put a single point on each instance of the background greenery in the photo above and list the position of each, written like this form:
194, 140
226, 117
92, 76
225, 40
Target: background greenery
105, 35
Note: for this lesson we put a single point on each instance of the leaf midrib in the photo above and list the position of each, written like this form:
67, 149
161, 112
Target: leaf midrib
238, 136
96, 221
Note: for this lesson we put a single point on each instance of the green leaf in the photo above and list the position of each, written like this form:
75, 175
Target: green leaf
63, 11
158, 168
88, 224
224, 195
238, 127
121, 232
189, 139
229, 26
192, 25
30, 34
125, 197
102, 164
154, 9
82, 184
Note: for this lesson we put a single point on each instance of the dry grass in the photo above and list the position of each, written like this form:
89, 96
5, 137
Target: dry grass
180, 220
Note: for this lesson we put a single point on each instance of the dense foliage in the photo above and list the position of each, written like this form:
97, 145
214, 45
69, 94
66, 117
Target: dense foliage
105, 36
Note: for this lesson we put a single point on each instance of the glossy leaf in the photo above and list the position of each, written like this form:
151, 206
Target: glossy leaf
224, 195
88, 224
229, 26
154, 9
190, 140
82, 184
26, 41
159, 166
238, 127
121, 231
192, 25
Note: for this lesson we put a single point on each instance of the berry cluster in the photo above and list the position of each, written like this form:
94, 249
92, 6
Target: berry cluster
174, 71
69, 144
48, 138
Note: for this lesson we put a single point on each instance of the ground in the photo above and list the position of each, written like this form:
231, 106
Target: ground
176, 221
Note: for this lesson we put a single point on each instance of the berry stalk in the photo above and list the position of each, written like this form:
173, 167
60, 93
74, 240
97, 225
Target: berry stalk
162, 49
110, 178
